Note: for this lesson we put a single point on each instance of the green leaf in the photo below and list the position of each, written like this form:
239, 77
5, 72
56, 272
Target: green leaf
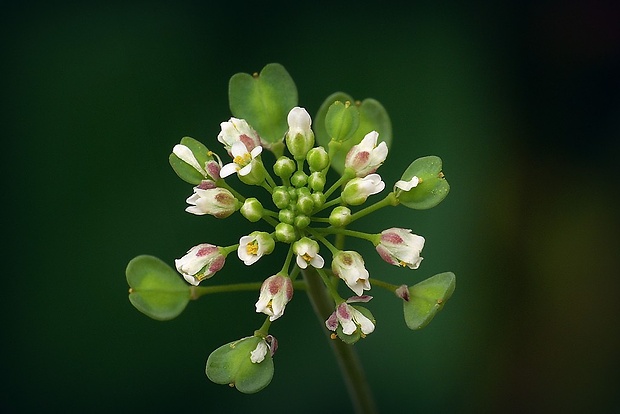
231, 364
372, 117
264, 100
155, 288
185, 171
427, 298
433, 187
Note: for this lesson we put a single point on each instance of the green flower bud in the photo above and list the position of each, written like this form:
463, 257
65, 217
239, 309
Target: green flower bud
284, 167
318, 159
340, 216
281, 197
319, 199
299, 179
252, 209
286, 216
299, 138
303, 191
305, 204
285, 233
316, 181
302, 221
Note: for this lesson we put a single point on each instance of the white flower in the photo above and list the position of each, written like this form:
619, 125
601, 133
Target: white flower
307, 252
208, 199
238, 130
350, 319
242, 160
258, 355
400, 247
407, 185
254, 246
365, 157
201, 262
349, 266
275, 293
357, 190
299, 137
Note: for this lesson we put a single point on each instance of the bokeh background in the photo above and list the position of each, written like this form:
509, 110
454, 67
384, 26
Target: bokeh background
520, 99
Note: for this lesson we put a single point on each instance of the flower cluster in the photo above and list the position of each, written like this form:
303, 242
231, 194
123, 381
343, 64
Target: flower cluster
310, 220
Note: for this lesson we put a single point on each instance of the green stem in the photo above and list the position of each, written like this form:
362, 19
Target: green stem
198, 291
385, 285
389, 200
373, 238
348, 360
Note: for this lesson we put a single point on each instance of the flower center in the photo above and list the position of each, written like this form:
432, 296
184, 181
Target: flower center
243, 160
306, 257
252, 247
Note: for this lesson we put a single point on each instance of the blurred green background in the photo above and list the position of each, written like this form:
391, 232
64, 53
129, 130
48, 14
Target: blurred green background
521, 100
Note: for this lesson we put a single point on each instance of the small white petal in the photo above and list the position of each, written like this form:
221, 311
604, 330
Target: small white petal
407, 185
228, 169
258, 355
186, 155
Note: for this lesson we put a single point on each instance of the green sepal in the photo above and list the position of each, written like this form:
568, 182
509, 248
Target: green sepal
372, 117
342, 120
433, 187
155, 288
185, 171
231, 364
427, 298
264, 100
357, 334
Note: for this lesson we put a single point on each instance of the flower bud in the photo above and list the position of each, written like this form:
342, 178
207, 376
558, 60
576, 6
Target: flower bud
358, 189
284, 167
299, 138
275, 293
349, 266
299, 179
340, 216
252, 209
238, 130
286, 216
365, 157
319, 199
400, 247
281, 197
201, 262
304, 204
318, 159
217, 201
301, 221
316, 181
285, 233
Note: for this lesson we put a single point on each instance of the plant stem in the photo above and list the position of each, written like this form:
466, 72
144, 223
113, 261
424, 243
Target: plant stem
348, 360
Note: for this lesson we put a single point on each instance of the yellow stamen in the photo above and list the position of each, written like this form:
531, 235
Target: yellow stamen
252, 247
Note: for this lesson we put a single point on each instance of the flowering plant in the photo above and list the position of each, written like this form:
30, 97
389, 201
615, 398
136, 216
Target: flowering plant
309, 218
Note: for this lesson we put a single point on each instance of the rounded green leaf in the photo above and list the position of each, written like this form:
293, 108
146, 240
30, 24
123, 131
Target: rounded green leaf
155, 288
185, 171
427, 298
372, 117
231, 364
342, 120
264, 100
433, 186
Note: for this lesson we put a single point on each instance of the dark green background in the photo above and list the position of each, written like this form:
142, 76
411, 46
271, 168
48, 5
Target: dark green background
521, 101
